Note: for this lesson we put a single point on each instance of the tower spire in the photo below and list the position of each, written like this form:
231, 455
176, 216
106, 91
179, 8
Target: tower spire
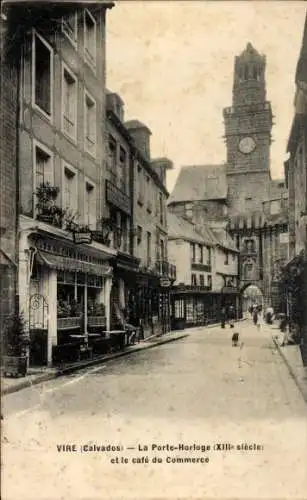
249, 77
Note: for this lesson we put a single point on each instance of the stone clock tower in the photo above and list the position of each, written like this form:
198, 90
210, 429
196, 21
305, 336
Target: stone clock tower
248, 124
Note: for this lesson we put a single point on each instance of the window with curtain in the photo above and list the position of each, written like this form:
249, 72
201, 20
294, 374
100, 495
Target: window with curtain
43, 167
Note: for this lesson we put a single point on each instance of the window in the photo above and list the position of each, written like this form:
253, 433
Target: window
226, 262
112, 159
69, 103
209, 281
201, 280
70, 185
90, 37
141, 179
161, 208
201, 255
148, 248
192, 252
139, 234
193, 280
42, 75
90, 205
70, 27
90, 124
122, 169
162, 250
43, 161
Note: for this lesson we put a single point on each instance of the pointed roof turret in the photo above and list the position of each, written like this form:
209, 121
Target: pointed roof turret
250, 53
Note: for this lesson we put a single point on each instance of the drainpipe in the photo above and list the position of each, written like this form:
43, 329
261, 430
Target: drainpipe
17, 202
132, 194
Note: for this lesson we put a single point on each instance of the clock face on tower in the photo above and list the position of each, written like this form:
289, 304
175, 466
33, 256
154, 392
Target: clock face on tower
247, 145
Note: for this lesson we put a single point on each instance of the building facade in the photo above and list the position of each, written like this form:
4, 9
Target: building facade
136, 198
296, 176
64, 277
207, 273
151, 300
8, 174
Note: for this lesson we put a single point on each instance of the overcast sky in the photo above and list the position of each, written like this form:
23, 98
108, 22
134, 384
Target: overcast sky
172, 63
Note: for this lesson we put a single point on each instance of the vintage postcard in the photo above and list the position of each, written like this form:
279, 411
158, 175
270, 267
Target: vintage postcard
153, 250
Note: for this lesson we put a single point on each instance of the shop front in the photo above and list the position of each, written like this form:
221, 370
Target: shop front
64, 291
150, 303
193, 306
123, 291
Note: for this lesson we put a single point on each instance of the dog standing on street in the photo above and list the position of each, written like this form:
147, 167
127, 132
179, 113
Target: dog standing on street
235, 339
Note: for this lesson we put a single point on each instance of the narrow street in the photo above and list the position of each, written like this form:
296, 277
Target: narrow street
199, 390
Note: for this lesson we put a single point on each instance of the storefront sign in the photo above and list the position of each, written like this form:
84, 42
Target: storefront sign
165, 283
80, 237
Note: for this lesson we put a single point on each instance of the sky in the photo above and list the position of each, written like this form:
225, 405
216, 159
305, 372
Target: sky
172, 63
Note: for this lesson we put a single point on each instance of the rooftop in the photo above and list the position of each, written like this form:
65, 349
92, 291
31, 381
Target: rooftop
200, 182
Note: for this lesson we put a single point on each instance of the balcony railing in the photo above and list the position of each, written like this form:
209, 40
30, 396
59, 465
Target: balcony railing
165, 269
118, 198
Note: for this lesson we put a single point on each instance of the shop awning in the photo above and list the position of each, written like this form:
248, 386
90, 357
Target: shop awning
60, 263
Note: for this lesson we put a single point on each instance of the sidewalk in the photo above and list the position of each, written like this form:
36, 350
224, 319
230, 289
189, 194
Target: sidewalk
37, 375
291, 355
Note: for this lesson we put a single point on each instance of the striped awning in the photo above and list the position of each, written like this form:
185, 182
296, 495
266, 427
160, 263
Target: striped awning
60, 263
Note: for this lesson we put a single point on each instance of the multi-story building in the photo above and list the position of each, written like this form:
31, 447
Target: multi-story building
207, 272
64, 277
119, 198
296, 176
8, 173
151, 300
136, 203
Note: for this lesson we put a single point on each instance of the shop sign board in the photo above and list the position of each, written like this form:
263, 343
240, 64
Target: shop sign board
165, 282
82, 237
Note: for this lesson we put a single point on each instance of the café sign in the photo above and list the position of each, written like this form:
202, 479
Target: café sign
82, 237
165, 282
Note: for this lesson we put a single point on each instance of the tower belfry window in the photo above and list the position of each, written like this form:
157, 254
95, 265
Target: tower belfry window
246, 72
255, 73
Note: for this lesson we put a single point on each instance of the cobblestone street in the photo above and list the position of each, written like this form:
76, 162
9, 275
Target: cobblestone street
197, 391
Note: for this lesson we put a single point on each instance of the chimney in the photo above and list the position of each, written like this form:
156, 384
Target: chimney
161, 165
141, 136
115, 104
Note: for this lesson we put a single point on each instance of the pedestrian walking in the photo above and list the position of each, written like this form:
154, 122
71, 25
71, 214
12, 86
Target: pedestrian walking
223, 317
231, 316
259, 321
255, 316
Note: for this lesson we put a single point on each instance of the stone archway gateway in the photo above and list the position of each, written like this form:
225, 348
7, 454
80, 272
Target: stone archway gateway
251, 294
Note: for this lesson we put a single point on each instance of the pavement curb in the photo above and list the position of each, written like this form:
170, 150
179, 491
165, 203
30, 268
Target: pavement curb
84, 364
298, 383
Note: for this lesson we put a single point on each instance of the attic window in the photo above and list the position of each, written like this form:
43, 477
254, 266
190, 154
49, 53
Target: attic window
248, 198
